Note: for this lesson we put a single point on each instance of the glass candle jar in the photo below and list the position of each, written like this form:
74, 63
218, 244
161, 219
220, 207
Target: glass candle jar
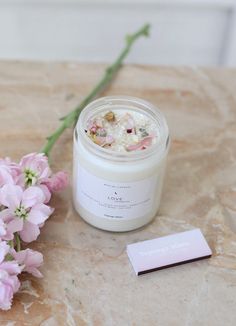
118, 191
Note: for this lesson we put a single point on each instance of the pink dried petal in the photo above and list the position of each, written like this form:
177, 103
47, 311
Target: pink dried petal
147, 141
90, 124
98, 123
135, 147
109, 139
101, 132
130, 123
93, 129
99, 140
143, 143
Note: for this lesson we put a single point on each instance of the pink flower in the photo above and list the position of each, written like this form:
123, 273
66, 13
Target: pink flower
9, 172
46, 192
8, 225
35, 169
36, 172
30, 260
3, 231
25, 210
57, 182
9, 283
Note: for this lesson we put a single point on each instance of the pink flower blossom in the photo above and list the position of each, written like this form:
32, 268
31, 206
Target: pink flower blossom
2, 229
8, 225
30, 260
9, 283
9, 172
57, 182
46, 192
36, 172
25, 210
25, 189
35, 169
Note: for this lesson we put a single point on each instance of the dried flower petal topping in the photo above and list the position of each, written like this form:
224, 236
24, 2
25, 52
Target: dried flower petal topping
101, 132
110, 116
122, 131
143, 144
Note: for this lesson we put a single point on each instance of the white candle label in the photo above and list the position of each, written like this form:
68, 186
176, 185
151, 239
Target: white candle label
115, 200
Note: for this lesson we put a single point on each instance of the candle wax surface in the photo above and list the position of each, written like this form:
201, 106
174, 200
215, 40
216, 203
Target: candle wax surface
122, 130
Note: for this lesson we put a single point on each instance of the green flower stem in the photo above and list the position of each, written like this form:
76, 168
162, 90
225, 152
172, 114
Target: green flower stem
109, 74
18, 244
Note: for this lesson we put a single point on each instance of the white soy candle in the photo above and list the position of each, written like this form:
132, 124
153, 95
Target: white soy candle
120, 149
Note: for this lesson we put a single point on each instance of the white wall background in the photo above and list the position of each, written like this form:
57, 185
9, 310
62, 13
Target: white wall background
195, 32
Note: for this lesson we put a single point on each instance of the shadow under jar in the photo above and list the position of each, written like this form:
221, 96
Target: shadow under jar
118, 190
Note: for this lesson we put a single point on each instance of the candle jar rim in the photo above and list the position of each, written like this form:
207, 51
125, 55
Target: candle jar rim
159, 149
